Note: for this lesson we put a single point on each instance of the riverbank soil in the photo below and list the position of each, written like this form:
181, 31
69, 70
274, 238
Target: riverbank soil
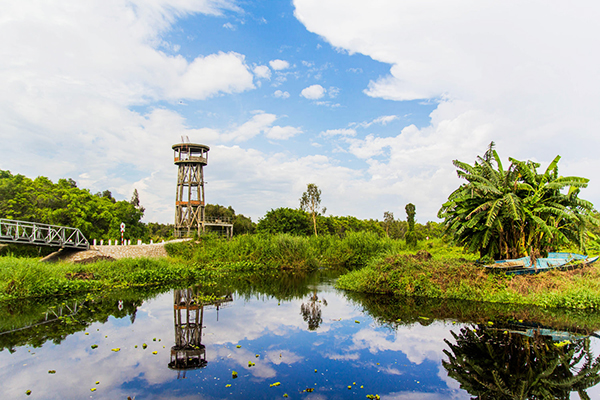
98, 253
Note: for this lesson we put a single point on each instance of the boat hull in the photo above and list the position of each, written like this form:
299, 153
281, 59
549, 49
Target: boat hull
558, 261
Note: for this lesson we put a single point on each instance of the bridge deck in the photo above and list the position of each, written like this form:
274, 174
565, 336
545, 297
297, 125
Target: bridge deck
24, 232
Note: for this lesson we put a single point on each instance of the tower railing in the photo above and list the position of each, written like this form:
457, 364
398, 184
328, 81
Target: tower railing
218, 220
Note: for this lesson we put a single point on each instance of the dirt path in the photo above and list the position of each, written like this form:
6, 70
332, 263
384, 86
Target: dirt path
97, 253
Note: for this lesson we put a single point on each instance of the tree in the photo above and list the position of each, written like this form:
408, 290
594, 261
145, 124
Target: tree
388, 220
411, 235
284, 220
158, 231
311, 203
504, 214
241, 223
63, 203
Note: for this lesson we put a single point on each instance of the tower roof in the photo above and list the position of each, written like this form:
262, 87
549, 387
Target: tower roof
191, 146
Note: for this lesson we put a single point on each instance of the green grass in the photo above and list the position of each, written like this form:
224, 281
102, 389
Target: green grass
285, 251
454, 278
26, 277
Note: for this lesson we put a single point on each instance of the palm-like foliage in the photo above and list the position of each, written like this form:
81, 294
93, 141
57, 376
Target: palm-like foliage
516, 212
492, 364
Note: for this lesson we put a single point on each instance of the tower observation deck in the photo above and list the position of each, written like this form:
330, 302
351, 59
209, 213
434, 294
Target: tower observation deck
190, 159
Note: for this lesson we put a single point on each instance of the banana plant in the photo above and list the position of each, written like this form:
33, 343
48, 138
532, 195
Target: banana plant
515, 212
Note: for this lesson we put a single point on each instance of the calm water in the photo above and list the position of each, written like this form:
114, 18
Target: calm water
296, 336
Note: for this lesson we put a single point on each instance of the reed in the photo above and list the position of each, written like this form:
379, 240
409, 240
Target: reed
286, 251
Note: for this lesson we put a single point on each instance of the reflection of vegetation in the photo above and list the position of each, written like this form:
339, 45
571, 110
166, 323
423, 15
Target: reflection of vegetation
34, 323
282, 285
496, 364
311, 311
394, 311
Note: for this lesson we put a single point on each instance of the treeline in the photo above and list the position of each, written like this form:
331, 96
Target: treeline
99, 215
299, 222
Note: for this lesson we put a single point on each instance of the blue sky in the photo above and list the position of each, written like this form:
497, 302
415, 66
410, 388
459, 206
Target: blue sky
370, 101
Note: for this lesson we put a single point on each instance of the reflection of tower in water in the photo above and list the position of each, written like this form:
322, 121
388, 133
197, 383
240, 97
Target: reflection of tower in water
188, 313
188, 352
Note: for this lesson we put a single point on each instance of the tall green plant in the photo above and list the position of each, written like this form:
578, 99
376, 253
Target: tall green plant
411, 235
516, 212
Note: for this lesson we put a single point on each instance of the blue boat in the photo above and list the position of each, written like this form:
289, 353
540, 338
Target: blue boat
523, 265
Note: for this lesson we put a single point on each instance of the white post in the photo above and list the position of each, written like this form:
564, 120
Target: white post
110, 242
163, 241
94, 242
139, 242
129, 242
150, 241
101, 242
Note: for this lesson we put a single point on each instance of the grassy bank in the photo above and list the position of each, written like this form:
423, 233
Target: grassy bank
377, 265
27, 278
454, 278
206, 259
353, 250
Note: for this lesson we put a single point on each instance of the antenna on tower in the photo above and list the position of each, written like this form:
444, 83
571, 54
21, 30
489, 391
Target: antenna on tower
182, 139
187, 138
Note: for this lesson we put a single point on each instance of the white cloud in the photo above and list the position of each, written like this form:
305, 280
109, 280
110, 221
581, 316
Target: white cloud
333, 91
500, 71
259, 123
207, 76
262, 72
313, 92
383, 120
339, 132
280, 94
278, 65
71, 73
327, 104
229, 26
282, 132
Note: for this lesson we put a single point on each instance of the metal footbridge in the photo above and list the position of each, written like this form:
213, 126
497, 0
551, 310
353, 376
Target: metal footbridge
24, 232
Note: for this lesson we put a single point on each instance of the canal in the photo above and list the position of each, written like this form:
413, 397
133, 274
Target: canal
290, 336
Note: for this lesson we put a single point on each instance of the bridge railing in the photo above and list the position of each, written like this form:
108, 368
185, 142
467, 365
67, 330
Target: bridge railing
25, 232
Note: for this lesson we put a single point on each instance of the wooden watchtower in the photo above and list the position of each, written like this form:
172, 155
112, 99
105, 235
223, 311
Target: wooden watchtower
188, 351
190, 159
